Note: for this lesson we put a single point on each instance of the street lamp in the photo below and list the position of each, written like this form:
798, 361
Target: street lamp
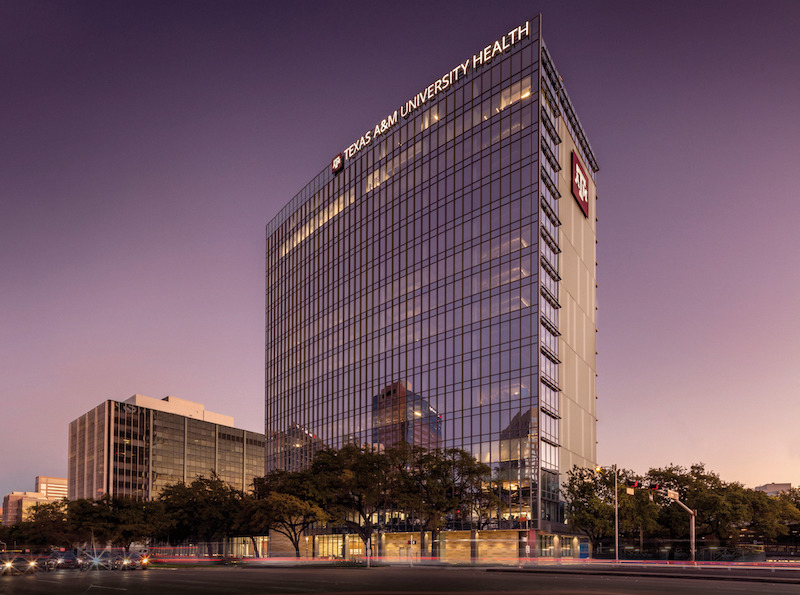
613, 468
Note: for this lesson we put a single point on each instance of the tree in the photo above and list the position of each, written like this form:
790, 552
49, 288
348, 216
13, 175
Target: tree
352, 486
792, 497
770, 517
433, 484
283, 501
205, 510
589, 498
47, 525
5, 536
722, 508
638, 513
135, 520
253, 519
118, 520
487, 504
91, 521
791, 500
291, 516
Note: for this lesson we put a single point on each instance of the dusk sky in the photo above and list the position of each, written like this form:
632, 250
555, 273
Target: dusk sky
144, 146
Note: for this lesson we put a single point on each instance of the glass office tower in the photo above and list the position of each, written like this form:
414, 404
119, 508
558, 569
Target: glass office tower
436, 283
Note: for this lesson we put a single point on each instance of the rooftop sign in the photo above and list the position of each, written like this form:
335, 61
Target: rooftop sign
483, 57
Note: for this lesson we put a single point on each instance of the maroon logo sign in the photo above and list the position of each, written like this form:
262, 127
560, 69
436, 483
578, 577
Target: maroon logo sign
337, 164
580, 184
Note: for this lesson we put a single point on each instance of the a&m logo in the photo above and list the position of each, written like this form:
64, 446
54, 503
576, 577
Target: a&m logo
580, 184
337, 164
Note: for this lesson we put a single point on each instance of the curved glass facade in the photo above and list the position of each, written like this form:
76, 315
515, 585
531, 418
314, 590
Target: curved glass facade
413, 290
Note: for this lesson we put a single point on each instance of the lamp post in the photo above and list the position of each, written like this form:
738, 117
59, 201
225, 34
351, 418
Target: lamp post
613, 468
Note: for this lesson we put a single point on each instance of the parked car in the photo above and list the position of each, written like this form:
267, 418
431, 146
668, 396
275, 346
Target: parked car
134, 560
84, 560
61, 560
17, 565
104, 560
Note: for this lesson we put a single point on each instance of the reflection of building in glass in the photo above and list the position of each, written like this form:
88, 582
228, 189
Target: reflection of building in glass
516, 461
137, 447
400, 415
453, 245
294, 448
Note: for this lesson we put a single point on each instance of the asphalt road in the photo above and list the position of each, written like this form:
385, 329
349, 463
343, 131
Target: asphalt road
390, 580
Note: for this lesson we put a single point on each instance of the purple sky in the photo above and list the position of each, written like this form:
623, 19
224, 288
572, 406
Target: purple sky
144, 147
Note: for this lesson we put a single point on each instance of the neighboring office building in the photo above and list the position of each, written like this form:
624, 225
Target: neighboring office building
450, 251
774, 489
136, 447
17, 505
53, 488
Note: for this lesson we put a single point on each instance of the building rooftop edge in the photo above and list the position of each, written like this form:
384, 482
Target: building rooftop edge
325, 174
570, 109
191, 409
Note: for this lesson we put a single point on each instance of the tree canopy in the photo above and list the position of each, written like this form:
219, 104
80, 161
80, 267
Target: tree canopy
361, 490
204, 510
433, 484
353, 485
727, 512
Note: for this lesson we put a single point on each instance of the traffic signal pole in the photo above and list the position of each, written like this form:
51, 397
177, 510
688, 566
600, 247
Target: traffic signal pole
672, 495
692, 517
616, 508
616, 515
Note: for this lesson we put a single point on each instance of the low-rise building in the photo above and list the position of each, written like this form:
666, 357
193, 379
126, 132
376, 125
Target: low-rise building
774, 489
138, 446
53, 488
17, 505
